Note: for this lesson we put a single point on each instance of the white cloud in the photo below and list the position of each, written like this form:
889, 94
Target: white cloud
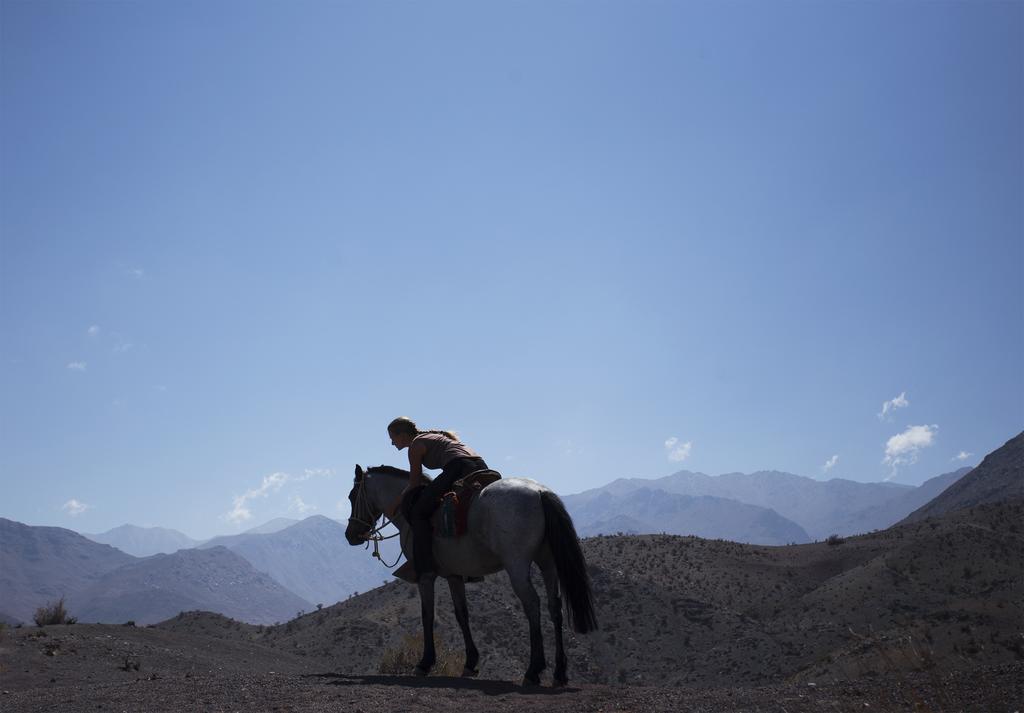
77, 366
962, 456
830, 463
137, 272
122, 346
892, 404
297, 505
676, 451
93, 331
272, 483
902, 449
73, 507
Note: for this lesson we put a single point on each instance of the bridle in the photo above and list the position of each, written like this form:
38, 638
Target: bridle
374, 534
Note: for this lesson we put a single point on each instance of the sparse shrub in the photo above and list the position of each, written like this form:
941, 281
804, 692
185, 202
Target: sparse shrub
53, 613
835, 540
402, 659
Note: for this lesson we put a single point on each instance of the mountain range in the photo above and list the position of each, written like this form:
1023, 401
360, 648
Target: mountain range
803, 509
269, 573
645, 510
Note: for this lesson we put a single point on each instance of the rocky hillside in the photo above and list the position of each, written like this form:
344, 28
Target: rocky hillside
38, 565
1000, 476
155, 588
645, 510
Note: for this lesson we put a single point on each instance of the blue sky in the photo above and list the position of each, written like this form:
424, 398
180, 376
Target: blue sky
597, 239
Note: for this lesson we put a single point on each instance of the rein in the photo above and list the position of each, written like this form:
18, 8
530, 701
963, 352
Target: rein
374, 535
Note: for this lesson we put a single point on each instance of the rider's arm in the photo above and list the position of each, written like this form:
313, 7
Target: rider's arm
416, 451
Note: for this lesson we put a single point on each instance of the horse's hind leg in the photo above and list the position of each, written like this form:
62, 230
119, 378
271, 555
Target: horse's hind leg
426, 586
547, 567
458, 589
519, 576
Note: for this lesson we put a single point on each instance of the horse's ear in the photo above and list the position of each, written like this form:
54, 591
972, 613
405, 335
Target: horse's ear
359, 472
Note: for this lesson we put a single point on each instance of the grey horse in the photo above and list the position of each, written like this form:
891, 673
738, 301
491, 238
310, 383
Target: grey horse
513, 523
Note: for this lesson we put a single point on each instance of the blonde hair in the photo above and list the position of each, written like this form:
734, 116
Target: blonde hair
405, 425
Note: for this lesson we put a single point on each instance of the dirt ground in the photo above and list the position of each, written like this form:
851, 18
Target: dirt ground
997, 691
110, 668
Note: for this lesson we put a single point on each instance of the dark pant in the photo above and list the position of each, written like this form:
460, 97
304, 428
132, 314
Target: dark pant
426, 504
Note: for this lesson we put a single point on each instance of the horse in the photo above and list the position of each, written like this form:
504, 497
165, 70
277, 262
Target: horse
513, 524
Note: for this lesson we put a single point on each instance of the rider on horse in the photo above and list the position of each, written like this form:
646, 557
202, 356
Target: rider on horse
429, 449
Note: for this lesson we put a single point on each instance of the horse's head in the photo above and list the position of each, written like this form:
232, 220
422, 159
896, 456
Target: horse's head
364, 513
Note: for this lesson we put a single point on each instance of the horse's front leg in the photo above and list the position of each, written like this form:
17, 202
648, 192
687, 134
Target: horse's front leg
458, 589
426, 586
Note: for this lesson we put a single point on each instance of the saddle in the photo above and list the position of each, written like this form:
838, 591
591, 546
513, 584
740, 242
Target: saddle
452, 516
451, 519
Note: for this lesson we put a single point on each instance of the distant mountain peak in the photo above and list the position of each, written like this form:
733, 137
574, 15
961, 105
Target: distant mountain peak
271, 526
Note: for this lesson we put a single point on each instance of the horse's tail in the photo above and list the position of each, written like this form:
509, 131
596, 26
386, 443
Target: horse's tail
570, 563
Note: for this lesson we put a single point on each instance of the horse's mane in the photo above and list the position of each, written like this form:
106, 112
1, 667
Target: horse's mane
391, 470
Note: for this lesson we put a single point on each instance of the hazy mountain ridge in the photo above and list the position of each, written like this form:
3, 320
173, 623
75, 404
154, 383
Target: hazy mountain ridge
646, 509
144, 541
312, 559
893, 511
821, 508
999, 477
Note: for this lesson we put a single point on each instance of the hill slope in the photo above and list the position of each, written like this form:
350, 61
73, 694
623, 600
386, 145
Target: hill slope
1000, 476
161, 586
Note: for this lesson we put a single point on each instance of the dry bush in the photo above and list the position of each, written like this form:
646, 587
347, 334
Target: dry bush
53, 613
402, 659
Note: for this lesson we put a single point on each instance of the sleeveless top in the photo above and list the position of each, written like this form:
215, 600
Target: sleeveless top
441, 450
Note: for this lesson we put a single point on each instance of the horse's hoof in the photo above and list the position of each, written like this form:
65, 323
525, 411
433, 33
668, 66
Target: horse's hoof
470, 672
420, 671
530, 681
560, 682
